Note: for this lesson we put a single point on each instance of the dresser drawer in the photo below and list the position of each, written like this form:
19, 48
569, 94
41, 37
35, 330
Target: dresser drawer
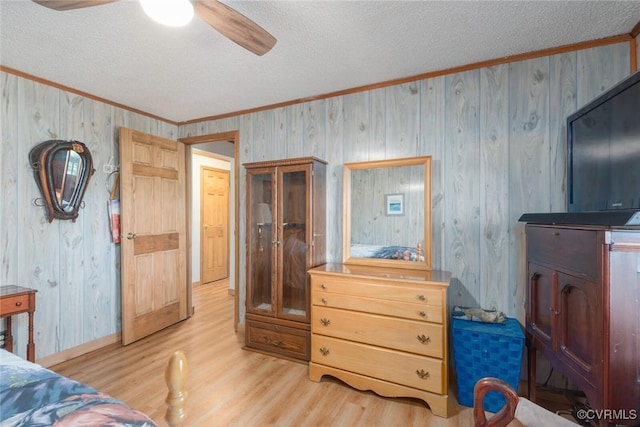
405, 335
17, 304
424, 294
423, 312
289, 342
408, 369
575, 250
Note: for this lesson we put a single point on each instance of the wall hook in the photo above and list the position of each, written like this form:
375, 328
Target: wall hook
110, 167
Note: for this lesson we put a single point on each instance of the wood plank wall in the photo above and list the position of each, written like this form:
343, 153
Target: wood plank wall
496, 136
73, 265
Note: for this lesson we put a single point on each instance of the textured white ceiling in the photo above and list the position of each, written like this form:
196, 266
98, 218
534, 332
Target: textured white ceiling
115, 52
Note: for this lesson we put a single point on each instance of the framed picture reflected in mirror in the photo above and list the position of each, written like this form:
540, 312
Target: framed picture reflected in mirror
387, 213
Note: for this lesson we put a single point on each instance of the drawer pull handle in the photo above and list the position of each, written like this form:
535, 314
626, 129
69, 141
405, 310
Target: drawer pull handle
18, 303
323, 286
422, 373
324, 351
423, 339
423, 314
422, 298
325, 322
277, 343
324, 300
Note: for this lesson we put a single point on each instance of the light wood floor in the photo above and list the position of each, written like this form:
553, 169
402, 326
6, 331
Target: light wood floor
229, 386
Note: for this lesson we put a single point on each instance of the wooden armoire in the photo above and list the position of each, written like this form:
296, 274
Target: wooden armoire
583, 312
286, 236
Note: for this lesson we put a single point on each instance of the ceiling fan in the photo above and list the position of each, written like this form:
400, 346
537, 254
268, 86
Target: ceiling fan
227, 21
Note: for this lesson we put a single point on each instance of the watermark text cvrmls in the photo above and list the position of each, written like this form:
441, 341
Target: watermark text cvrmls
607, 414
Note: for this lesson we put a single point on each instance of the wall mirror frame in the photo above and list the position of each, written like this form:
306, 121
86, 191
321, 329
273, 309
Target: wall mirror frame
387, 213
62, 170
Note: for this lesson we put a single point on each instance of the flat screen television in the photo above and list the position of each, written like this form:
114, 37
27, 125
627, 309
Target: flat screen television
603, 151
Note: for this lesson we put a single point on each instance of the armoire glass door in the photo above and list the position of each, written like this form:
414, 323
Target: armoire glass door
261, 235
293, 203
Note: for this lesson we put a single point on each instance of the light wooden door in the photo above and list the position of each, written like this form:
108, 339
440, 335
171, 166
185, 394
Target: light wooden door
153, 253
214, 200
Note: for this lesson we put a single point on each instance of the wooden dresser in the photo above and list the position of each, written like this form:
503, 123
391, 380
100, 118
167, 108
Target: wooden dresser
382, 329
582, 312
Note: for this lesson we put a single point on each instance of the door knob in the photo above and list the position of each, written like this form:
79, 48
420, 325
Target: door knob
131, 236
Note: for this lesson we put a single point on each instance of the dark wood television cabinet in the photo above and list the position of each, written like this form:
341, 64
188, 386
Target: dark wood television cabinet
583, 313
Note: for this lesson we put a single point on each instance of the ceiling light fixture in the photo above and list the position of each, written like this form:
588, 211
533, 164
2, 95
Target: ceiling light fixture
173, 13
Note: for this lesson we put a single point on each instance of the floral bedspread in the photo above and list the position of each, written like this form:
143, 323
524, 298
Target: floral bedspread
31, 395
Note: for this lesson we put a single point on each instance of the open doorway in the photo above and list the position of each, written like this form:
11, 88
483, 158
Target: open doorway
211, 217
217, 152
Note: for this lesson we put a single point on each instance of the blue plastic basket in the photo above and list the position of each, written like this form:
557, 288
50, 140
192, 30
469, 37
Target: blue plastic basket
486, 350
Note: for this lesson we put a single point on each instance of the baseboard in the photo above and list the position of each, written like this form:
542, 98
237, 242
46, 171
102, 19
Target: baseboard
72, 353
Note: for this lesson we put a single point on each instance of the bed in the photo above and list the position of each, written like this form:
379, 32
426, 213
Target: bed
31, 395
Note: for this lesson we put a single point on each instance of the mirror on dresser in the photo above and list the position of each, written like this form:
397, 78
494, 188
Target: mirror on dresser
387, 213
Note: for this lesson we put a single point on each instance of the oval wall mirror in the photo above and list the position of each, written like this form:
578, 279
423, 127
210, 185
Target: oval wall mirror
387, 213
62, 170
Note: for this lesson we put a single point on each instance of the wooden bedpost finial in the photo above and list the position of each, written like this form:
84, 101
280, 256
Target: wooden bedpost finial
175, 376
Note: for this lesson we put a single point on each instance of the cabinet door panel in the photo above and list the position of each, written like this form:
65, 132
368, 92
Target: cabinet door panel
541, 317
293, 206
260, 235
580, 326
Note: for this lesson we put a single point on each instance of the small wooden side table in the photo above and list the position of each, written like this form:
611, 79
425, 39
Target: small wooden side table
16, 300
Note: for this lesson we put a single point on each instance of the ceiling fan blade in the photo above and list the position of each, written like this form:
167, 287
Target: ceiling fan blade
71, 4
235, 26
